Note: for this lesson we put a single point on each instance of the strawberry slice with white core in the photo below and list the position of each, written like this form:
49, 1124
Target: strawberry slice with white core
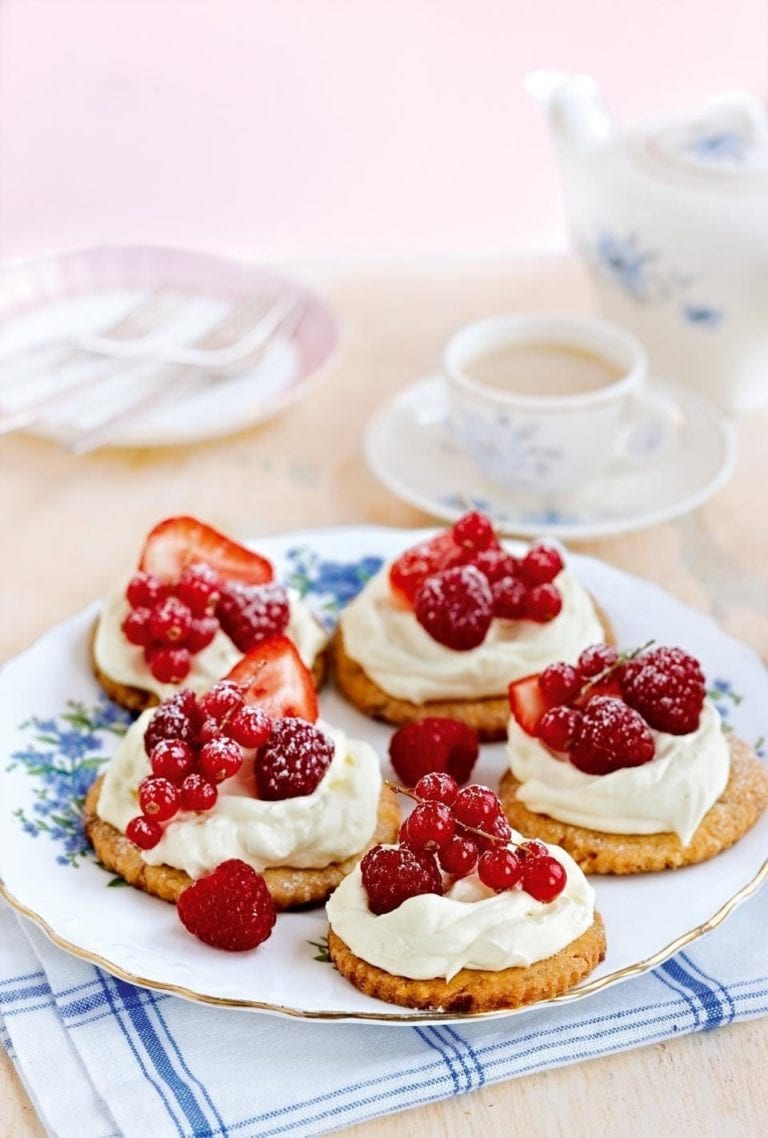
176, 543
527, 703
274, 678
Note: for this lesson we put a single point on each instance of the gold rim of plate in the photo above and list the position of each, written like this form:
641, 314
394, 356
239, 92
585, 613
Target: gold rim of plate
636, 969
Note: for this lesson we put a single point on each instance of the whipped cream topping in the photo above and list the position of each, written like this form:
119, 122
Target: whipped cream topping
430, 937
671, 793
390, 645
124, 662
311, 831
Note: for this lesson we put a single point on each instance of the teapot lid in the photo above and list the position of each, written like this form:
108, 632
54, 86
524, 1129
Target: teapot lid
725, 147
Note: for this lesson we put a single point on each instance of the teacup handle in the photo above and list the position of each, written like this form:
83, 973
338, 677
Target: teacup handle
652, 421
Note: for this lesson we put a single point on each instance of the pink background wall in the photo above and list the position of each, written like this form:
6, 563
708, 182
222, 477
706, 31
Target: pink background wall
326, 128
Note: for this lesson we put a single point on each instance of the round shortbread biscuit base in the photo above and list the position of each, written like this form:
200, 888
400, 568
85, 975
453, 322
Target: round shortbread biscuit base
735, 812
290, 887
471, 990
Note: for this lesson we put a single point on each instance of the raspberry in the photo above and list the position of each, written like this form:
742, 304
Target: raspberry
222, 699
168, 665
596, 659
474, 531
392, 875
136, 628
159, 798
476, 806
145, 590
171, 759
540, 565
430, 826
293, 760
199, 589
249, 614
174, 719
249, 726
544, 878
202, 630
667, 687
169, 621
230, 908
496, 564
558, 726
433, 744
560, 683
459, 856
509, 598
436, 787
542, 604
144, 832
220, 759
198, 793
456, 607
500, 869
610, 736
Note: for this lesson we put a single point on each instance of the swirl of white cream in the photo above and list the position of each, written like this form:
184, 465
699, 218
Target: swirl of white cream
124, 662
310, 831
669, 794
429, 937
392, 648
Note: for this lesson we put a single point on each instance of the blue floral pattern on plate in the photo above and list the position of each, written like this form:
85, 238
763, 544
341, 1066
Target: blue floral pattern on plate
63, 757
328, 585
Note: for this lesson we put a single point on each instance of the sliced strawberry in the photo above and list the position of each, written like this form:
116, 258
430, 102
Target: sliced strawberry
527, 703
277, 680
178, 542
410, 571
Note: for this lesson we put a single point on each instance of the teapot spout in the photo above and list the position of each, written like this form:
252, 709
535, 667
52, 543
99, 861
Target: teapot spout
577, 114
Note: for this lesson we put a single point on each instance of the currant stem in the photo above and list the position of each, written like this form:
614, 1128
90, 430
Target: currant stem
621, 660
470, 829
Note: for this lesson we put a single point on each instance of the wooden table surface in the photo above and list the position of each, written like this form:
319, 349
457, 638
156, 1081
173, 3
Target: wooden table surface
307, 469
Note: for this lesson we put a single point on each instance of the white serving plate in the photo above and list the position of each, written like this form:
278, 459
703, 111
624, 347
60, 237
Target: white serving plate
47, 877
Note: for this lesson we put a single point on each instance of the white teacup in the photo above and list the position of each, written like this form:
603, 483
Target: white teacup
546, 402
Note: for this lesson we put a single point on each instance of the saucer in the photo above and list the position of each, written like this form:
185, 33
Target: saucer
409, 447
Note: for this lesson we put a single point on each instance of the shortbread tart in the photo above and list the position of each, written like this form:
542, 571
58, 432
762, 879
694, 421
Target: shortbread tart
734, 813
463, 915
247, 773
626, 763
195, 604
444, 628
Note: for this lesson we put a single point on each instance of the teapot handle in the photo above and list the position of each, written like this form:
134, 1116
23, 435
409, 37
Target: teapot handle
577, 112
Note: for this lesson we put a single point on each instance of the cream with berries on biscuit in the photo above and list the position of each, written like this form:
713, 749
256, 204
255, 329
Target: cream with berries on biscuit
460, 892
199, 782
197, 603
457, 617
620, 746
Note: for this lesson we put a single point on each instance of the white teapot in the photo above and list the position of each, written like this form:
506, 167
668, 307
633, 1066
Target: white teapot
672, 218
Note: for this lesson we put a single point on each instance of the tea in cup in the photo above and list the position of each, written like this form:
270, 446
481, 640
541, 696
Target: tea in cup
547, 402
